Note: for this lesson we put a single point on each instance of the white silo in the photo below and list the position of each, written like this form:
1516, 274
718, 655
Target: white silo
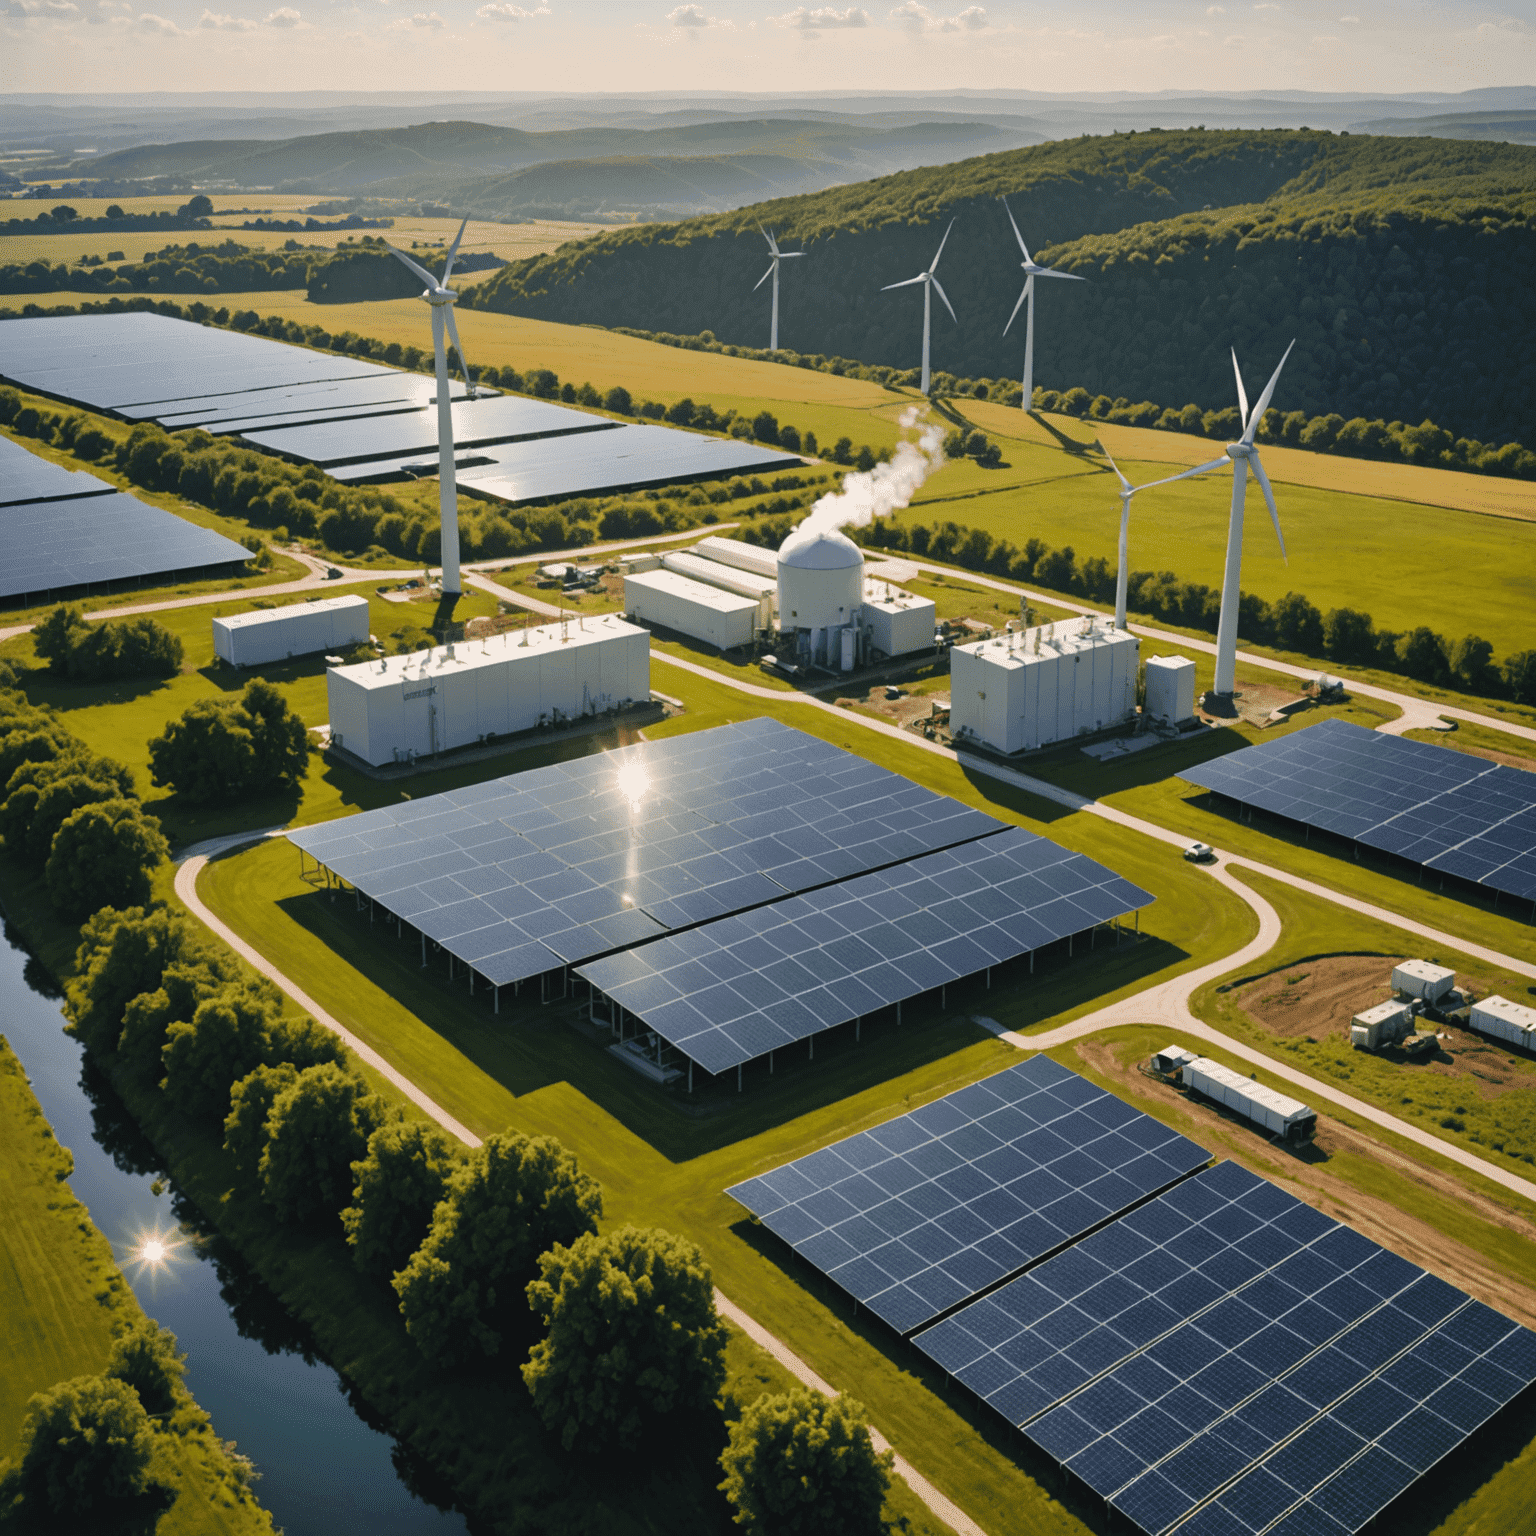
821, 580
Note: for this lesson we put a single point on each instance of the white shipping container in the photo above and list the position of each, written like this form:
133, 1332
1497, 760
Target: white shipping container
1418, 978
274, 634
1172, 1058
1170, 689
1513, 1023
706, 613
1385, 1023
897, 622
1276, 1113
456, 695
744, 556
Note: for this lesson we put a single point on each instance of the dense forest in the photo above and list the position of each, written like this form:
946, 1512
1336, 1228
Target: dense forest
1401, 265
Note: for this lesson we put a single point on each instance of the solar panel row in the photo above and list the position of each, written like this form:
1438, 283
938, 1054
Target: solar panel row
1450, 812
915, 1215
735, 989
1228, 1359
521, 874
26, 476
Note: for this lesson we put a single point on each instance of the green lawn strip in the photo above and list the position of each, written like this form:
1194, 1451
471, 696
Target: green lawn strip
60, 1294
1477, 739
1502, 1130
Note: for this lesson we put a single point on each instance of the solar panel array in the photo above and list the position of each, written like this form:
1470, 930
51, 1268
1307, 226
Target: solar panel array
360, 420
734, 989
1446, 810
931, 1208
1226, 1359
524, 873
27, 477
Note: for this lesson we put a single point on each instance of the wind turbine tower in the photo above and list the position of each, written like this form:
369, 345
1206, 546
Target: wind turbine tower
1243, 455
930, 283
1032, 270
773, 272
442, 298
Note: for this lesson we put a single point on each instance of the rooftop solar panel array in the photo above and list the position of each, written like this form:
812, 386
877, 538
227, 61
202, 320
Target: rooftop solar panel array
1445, 810
1226, 1359
521, 874
931, 1208
26, 476
734, 989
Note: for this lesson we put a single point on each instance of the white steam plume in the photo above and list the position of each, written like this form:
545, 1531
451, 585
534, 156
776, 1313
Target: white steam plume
877, 492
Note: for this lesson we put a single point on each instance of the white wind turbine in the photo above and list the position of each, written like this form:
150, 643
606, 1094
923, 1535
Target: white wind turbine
1032, 270
1243, 455
773, 272
442, 299
930, 283
1127, 490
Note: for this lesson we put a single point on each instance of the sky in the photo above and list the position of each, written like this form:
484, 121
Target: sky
1351, 46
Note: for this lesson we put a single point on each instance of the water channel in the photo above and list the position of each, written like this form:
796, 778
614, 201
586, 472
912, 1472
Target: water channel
324, 1468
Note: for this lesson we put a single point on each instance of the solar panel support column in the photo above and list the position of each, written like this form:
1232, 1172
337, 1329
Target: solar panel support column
690, 1076
496, 1006
738, 1077
423, 951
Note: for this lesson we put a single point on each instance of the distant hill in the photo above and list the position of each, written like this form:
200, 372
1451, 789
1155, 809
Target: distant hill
1504, 127
1402, 265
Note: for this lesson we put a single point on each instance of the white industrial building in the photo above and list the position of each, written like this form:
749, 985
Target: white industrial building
400, 707
1281, 1116
897, 623
1026, 689
1170, 696
1513, 1023
1418, 978
763, 590
745, 557
1385, 1024
664, 598
274, 634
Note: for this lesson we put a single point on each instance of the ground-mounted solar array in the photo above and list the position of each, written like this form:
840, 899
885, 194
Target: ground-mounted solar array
540, 869
929, 1209
1453, 813
1226, 1359
361, 421
732, 990
65, 530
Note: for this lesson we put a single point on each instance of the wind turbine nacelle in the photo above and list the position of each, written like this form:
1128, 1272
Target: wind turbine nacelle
1236, 451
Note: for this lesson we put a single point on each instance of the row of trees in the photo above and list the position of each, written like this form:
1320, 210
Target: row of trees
221, 751
106, 651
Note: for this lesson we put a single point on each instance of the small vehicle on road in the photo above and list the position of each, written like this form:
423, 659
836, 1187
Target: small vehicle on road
1200, 853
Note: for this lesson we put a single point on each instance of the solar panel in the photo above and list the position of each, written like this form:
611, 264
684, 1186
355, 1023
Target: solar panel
552, 866
26, 476
1226, 1357
1446, 810
734, 989
53, 545
928, 1209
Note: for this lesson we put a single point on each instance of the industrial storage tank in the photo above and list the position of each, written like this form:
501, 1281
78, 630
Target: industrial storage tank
821, 580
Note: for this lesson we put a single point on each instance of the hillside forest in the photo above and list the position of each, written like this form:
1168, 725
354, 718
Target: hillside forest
1400, 265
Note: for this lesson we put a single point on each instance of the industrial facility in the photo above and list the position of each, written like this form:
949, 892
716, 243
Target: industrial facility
665, 599
274, 634
399, 708
1387, 1023
1028, 688
1513, 1023
1170, 697
1287, 1118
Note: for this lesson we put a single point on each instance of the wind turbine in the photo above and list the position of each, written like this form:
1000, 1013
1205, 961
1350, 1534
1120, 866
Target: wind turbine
1127, 490
773, 272
442, 299
1243, 455
930, 283
1032, 269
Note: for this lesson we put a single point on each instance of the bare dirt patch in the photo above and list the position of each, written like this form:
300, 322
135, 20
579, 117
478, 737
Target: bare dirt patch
1318, 997
1257, 702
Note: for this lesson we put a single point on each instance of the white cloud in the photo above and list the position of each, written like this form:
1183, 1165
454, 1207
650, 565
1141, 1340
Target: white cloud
422, 21
149, 22
824, 18
918, 18
1232, 42
60, 10
1349, 21
1264, 5
507, 12
284, 16
1215, 10
693, 18
1503, 24
217, 23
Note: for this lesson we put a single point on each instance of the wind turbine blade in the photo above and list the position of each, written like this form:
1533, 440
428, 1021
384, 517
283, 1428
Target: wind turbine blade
420, 271
458, 346
764, 278
1269, 501
922, 277
453, 251
1199, 469
940, 251
1108, 455
1016, 235
1263, 405
947, 305
790, 255
1242, 394
1052, 272
1023, 294
772, 246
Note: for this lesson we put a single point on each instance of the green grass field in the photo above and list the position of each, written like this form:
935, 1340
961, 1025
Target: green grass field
60, 1295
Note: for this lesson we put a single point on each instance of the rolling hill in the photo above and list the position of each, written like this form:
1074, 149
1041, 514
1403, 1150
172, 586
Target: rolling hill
1401, 265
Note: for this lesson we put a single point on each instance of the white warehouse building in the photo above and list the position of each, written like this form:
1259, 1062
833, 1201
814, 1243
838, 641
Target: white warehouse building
1023, 690
719, 618
737, 552
400, 707
761, 589
1170, 689
896, 622
300, 629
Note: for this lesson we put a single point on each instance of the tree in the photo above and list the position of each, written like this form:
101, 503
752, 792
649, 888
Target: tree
250, 1104
462, 1293
221, 751
146, 1358
102, 856
206, 1055
318, 1127
633, 1336
86, 1449
55, 804
1471, 661
398, 1185
1421, 654
802, 1465
121, 954
1520, 676
183, 985
301, 1043
1349, 637
1297, 625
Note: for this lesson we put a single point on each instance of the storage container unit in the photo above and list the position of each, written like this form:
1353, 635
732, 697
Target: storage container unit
1170, 689
1274, 1112
453, 696
633, 565
1172, 1058
1026, 689
1418, 978
300, 629
705, 613
1385, 1024
744, 556
1513, 1023
898, 622
728, 578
